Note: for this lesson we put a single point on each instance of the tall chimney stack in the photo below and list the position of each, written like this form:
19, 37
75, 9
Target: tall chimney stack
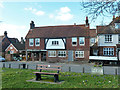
5, 33
113, 17
22, 40
32, 25
87, 22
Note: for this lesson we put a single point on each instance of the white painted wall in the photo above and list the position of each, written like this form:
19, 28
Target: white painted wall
60, 46
101, 40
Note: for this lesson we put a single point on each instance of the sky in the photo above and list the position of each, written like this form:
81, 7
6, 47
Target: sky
16, 16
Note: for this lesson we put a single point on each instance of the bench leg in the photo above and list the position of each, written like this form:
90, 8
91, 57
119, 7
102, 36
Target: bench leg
56, 78
38, 76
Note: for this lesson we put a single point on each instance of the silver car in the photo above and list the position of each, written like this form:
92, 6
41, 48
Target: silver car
2, 59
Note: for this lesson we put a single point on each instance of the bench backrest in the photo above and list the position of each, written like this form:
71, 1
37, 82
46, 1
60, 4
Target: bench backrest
49, 67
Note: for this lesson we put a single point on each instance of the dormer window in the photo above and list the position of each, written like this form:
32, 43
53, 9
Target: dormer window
108, 38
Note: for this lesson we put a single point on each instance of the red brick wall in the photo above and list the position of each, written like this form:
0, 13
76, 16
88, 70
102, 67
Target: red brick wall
57, 58
35, 47
101, 50
69, 46
86, 56
78, 47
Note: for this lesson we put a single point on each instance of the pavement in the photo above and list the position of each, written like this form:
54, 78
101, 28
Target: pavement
81, 67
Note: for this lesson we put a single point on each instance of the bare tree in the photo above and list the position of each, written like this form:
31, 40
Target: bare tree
97, 8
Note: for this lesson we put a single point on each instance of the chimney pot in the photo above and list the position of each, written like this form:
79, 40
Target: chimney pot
87, 24
74, 23
22, 40
32, 25
5, 33
113, 17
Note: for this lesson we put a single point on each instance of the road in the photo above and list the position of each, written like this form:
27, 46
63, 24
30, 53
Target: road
66, 67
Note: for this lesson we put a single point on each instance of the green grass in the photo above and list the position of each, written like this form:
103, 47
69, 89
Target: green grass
16, 78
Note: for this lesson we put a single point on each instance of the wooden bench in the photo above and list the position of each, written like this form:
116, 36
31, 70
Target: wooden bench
47, 68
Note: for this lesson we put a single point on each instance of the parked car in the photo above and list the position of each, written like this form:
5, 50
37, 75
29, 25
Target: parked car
2, 59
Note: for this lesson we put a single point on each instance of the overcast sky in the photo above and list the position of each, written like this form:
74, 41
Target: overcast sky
16, 16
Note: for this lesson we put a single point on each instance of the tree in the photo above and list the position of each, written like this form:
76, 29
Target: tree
97, 8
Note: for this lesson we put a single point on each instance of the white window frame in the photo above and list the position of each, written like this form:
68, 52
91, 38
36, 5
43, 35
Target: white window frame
92, 41
107, 51
62, 53
80, 38
37, 39
108, 38
51, 52
74, 39
31, 39
79, 52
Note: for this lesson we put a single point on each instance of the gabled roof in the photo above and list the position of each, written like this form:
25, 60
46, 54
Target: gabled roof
115, 20
58, 31
109, 29
13, 41
19, 46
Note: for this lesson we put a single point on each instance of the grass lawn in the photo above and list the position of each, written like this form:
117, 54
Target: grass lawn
16, 78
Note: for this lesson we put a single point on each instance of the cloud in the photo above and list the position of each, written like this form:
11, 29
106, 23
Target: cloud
51, 16
63, 14
1, 5
64, 10
35, 11
64, 17
16, 31
40, 13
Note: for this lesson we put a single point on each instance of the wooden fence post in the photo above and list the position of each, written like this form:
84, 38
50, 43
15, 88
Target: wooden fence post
9, 65
116, 71
69, 69
83, 70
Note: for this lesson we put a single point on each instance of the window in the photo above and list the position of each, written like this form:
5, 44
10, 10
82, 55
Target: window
51, 53
108, 51
119, 38
31, 42
74, 41
37, 42
61, 53
79, 54
55, 42
108, 38
92, 40
11, 47
81, 40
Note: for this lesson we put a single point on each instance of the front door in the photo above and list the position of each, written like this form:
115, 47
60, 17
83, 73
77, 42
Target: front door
70, 55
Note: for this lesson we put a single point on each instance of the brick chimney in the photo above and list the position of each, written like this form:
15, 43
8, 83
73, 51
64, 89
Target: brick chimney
22, 40
5, 33
87, 22
113, 17
32, 25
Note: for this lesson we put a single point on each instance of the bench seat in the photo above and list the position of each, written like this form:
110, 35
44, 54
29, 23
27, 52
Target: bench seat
46, 73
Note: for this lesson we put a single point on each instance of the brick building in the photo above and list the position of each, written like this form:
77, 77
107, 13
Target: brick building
56, 43
11, 46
